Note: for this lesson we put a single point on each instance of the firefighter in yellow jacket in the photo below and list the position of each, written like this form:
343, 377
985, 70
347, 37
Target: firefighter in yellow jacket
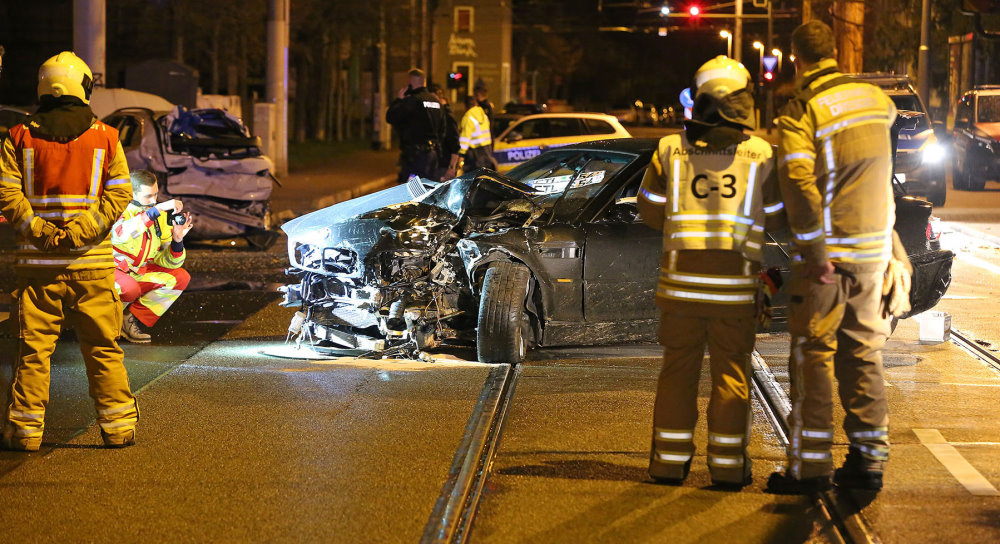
63, 183
706, 189
835, 164
148, 241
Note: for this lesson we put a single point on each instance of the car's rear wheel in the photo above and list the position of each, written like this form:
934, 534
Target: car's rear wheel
959, 180
937, 194
504, 330
975, 178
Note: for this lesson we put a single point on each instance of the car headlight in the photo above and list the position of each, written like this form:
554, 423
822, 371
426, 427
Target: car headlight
933, 153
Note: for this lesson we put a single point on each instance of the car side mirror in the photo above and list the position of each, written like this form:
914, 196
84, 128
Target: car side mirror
514, 136
624, 210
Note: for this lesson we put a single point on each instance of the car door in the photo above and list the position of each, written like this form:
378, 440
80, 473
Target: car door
962, 137
530, 137
621, 265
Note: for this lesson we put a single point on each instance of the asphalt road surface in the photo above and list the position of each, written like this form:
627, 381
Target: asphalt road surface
235, 445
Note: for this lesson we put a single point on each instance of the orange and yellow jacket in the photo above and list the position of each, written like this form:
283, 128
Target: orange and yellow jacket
138, 239
81, 186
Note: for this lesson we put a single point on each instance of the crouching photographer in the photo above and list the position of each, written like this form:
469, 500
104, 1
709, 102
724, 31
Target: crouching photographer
148, 243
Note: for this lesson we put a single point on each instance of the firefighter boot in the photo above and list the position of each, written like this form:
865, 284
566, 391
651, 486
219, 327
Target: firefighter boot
781, 483
859, 473
132, 332
120, 440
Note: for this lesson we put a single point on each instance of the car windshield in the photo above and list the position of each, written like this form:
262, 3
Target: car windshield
566, 179
989, 108
910, 102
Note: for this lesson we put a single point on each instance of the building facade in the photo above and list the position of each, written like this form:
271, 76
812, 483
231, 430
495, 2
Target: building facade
472, 38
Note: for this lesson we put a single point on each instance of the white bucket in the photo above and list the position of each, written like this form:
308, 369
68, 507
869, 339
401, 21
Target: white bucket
935, 327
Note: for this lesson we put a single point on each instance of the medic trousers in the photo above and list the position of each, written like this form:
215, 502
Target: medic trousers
152, 291
91, 304
730, 342
837, 330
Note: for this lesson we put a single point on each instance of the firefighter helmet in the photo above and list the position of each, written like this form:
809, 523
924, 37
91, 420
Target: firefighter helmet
65, 75
720, 77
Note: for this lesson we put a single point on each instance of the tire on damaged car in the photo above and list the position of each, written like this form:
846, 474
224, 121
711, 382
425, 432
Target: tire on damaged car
504, 329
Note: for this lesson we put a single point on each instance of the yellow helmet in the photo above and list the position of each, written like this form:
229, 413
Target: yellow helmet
720, 77
65, 75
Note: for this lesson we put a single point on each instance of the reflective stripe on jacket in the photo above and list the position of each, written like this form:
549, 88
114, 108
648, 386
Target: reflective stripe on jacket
474, 130
709, 199
835, 164
137, 241
81, 186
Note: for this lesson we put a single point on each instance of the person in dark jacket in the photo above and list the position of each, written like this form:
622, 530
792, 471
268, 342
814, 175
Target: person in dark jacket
448, 161
418, 116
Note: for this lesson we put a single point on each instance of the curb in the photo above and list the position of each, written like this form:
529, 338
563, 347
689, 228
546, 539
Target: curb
372, 186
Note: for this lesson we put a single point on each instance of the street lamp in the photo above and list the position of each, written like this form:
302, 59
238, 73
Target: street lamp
760, 47
729, 39
777, 53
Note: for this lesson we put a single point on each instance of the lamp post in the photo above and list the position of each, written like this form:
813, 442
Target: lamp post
729, 42
760, 63
777, 53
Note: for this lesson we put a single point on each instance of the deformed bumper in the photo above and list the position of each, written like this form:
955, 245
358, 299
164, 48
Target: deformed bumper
931, 278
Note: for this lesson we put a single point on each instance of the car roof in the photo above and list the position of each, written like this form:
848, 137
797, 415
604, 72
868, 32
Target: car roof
627, 145
886, 80
984, 89
575, 115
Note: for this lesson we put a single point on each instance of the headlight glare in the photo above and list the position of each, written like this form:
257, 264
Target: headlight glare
933, 153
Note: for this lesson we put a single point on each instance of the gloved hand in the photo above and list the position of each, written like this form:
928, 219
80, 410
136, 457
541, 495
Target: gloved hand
42, 234
770, 283
896, 289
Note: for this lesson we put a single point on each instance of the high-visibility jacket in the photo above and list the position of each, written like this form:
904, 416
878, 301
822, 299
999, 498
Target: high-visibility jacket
81, 185
709, 199
137, 239
835, 166
474, 130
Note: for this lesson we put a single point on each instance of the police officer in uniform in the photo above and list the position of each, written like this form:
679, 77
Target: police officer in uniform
706, 189
448, 161
418, 116
835, 164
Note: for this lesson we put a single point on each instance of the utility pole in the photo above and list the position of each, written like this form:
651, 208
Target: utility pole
768, 47
89, 27
848, 31
425, 61
923, 55
278, 15
738, 33
382, 103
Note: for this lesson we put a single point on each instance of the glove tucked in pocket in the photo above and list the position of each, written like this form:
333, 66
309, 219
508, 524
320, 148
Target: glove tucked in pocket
896, 289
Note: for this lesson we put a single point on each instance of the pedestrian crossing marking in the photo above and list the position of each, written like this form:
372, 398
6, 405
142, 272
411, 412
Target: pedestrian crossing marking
965, 473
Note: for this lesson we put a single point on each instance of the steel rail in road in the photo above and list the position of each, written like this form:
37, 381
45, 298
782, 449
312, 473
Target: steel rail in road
839, 510
451, 520
975, 348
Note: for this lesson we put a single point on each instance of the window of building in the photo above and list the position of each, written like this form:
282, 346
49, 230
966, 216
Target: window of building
464, 19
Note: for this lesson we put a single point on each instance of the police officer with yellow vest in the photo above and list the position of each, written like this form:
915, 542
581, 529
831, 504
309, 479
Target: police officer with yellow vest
835, 164
474, 138
706, 189
63, 183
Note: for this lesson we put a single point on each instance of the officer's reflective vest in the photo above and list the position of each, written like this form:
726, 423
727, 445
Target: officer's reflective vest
85, 177
710, 199
475, 130
138, 240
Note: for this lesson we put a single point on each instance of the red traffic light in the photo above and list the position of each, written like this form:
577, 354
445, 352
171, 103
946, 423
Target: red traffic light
694, 11
769, 76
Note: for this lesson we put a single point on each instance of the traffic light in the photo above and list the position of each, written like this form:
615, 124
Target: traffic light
694, 10
459, 79
770, 64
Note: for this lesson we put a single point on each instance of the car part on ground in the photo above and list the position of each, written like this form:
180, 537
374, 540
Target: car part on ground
976, 139
208, 159
551, 254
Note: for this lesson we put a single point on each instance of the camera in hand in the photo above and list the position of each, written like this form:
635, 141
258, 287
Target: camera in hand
174, 218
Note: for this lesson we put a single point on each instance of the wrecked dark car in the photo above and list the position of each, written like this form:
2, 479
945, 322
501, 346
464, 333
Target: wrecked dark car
553, 253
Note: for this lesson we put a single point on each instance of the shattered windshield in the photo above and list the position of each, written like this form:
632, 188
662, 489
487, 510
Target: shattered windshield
567, 179
910, 102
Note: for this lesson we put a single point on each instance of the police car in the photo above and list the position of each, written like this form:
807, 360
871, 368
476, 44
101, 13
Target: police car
531, 135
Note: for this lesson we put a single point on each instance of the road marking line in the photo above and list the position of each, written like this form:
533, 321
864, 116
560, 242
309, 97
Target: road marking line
976, 261
965, 473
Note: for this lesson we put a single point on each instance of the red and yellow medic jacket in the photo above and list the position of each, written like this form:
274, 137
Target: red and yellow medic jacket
139, 239
81, 185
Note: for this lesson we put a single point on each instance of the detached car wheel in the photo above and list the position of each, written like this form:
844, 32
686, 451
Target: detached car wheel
504, 328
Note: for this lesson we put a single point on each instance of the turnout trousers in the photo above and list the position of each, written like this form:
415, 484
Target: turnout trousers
88, 301
152, 291
730, 341
837, 330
